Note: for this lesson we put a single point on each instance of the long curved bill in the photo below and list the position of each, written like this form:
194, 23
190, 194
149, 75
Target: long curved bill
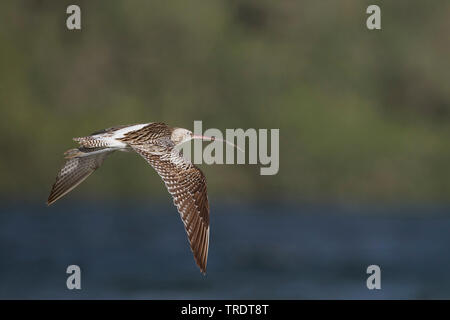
205, 138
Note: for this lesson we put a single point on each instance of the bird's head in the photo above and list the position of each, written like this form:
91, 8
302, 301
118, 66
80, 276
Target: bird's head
181, 135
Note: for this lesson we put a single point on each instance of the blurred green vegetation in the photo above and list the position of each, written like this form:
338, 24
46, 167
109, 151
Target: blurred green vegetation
363, 115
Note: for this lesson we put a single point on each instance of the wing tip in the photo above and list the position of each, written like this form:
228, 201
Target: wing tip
202, 264
202, 267
50, 200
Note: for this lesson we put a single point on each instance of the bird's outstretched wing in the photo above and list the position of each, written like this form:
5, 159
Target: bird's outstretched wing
187, 185
75, 170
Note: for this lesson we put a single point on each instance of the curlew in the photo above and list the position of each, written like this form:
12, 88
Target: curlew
156, 143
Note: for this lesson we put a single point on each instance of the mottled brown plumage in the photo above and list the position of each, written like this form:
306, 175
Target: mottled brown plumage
74, 171
156, 143
187, 185
149, 134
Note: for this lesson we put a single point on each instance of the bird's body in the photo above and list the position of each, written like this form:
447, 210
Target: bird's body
156, 143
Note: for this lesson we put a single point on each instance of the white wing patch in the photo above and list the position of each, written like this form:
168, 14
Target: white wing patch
122, 132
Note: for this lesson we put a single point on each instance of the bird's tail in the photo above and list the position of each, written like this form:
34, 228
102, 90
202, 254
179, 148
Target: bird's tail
85, 152
73, 153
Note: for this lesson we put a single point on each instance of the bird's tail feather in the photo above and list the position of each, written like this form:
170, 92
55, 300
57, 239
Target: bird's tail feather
73, 153
86, 152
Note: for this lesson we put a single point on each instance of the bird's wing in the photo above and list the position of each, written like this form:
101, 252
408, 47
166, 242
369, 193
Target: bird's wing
187, 185
149, 134
75, 170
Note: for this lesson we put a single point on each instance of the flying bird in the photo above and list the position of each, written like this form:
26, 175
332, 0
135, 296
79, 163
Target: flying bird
156, 143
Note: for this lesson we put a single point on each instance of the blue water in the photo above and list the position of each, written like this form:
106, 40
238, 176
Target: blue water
140, 251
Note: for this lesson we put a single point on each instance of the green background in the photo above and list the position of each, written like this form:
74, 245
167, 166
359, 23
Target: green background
363, 115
